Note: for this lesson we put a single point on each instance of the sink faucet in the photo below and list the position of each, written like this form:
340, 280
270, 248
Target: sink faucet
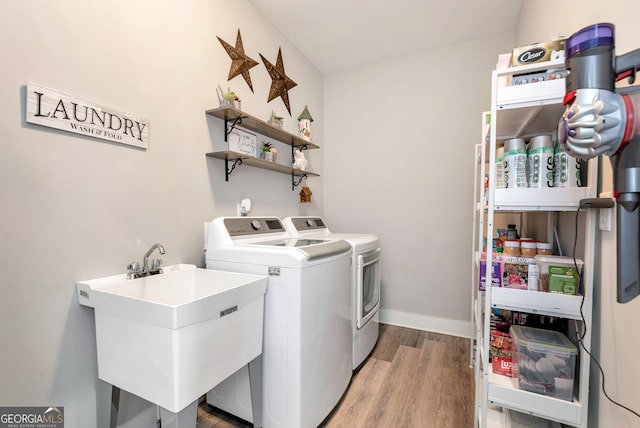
134, 268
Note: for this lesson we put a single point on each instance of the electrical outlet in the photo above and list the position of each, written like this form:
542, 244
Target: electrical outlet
606, 215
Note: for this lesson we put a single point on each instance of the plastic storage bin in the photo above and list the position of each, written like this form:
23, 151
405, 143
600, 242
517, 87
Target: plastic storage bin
558, 274
544, 361
522, 420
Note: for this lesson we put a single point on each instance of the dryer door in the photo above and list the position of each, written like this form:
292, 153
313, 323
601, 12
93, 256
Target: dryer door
368, 289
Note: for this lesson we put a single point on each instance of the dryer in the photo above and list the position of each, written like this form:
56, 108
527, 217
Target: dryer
307, 348
364, 278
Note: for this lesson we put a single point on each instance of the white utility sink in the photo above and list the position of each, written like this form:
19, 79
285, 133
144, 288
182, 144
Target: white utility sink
170, 338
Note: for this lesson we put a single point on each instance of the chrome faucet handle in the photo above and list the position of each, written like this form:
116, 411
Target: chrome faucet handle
155, 264
133, 268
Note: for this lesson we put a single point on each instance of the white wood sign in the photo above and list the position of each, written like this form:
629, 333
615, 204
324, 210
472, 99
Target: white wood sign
55, 109
241, 141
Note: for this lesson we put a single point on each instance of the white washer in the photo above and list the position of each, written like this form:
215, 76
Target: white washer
307, 350
365, 280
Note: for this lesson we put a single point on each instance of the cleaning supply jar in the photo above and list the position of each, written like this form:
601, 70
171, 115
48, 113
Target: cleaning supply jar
500, 176
540, 159
515, 163
567, 170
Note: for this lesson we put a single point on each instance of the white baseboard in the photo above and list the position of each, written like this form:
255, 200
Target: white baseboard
426, 323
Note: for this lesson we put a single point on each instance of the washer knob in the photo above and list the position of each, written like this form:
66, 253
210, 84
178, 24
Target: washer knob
309, 222
255, 224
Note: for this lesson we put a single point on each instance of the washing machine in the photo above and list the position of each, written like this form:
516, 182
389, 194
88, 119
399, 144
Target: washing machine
365, 280
307, 349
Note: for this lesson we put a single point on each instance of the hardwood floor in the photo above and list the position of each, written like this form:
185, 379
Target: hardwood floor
412, 379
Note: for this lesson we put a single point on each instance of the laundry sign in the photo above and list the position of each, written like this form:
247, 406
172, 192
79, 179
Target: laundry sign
54, 109
242, 142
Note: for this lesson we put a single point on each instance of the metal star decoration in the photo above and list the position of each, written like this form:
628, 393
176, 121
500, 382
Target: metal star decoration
280, 83
240, 62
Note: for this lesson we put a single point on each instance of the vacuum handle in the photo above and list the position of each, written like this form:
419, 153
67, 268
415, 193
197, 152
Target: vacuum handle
628, 62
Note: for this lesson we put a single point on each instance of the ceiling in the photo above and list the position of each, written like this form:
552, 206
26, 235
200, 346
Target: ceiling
339, 34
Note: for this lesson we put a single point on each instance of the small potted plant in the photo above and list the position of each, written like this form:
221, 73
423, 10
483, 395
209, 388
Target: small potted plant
228, 98
275, 120
269, 152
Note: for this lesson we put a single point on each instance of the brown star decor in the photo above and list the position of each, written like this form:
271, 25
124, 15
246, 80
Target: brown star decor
240, 62
280, 83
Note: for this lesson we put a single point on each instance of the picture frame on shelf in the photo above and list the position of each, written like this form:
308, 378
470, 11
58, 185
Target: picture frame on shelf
244, 142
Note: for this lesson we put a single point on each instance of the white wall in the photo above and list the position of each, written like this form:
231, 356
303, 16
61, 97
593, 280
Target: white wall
76, 208
615, 341
399, 156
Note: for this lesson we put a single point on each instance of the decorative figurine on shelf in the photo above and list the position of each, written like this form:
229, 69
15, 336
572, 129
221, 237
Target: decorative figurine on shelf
270, 153
228, 98
275, 120
305, 194
299, 160
305, 124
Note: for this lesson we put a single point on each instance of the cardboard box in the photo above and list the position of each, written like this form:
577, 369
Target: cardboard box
502, 363
501, 352
538, 52
508, 271
496, 275
515, 272
515, 275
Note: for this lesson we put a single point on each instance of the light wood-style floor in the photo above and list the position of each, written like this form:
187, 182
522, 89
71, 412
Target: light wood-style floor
412, 379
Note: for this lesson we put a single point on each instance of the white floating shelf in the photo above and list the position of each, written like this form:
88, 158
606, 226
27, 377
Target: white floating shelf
549, 199
504, 391
537, 302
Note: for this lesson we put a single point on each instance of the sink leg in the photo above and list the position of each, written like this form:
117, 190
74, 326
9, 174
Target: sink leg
255, 385
115, 406
185, 418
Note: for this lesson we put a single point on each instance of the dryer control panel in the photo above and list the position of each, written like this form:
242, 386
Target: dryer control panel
253, 225
308, 223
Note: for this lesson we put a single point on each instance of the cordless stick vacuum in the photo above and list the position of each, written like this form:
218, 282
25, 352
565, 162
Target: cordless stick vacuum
601, 119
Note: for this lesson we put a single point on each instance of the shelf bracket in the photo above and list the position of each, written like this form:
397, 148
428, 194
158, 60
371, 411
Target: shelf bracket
295, 184
229, 126
227, 171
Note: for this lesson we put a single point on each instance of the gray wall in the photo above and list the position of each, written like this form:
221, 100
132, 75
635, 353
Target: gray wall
399, 159
77, 208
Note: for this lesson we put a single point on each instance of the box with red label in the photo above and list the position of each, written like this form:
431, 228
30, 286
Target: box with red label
502, 364
501, 352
